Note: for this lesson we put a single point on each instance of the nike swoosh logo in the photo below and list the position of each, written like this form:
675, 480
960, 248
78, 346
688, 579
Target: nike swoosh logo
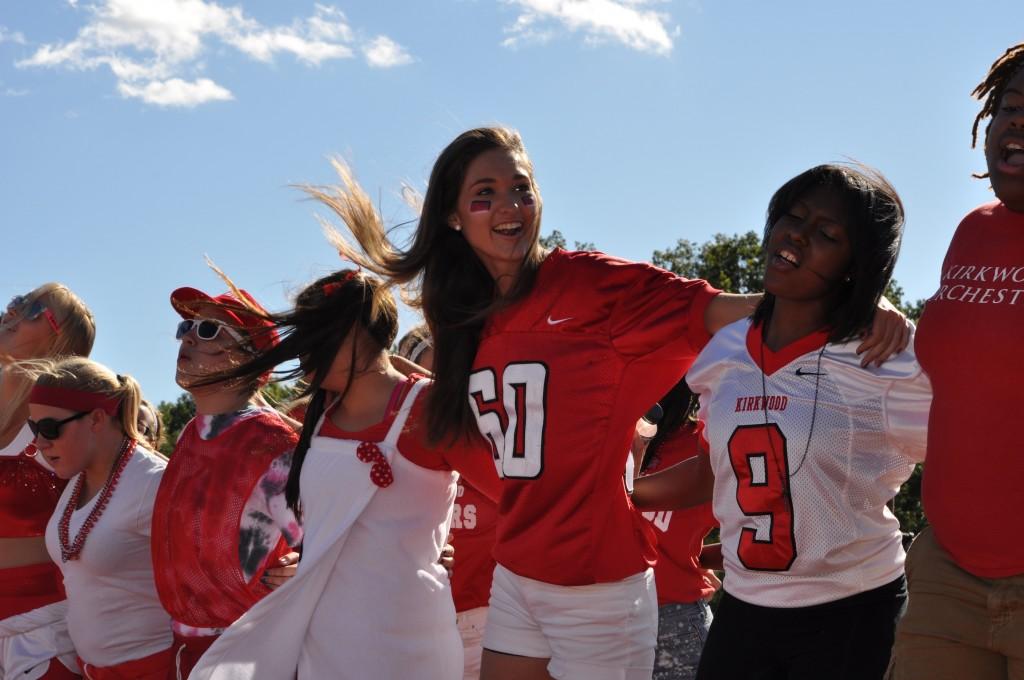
555, 322
802, 372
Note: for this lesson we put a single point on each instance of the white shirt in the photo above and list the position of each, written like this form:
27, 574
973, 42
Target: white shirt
369, 599
114, 614
803, 511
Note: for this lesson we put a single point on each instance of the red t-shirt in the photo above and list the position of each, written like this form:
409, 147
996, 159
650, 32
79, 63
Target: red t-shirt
968, 342
559, 381
473, 530
681, 533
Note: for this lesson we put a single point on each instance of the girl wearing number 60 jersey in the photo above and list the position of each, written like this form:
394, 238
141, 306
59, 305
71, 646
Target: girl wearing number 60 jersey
806, 447
553, 356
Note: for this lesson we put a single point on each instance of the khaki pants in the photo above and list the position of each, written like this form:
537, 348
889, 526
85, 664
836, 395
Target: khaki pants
957, 626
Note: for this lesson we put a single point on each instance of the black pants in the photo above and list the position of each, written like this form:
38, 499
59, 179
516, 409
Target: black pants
849, 639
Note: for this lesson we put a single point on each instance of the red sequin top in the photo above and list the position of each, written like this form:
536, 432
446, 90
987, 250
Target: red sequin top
29, 490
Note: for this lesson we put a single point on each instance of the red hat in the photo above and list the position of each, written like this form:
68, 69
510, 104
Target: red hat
187, 302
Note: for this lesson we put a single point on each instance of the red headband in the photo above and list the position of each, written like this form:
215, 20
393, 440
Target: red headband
73, 400
332, 287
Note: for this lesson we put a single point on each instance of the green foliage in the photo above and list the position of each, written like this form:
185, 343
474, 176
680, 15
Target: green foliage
731, 263
280, 394
913, 310
175, 415
557, 240
907, 504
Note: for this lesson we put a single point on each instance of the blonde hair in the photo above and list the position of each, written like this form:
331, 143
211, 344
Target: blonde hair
76, 337
153, 435
86, 375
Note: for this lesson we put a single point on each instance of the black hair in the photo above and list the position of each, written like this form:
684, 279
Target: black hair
324, 314
999, 75
679, 406
874, 223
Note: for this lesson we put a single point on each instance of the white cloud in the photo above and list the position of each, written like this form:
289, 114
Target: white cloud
156, 49
599, 21
383, 52
176, 92
12, 92
7, 35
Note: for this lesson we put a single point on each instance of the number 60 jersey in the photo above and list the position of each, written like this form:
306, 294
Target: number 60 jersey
559, 381
805, 456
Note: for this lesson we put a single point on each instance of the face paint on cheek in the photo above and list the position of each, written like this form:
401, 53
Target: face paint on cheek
479, 206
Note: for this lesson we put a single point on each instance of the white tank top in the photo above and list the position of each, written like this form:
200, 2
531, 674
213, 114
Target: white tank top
369, 599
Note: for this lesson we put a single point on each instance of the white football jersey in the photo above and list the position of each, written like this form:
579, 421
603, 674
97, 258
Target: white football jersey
802, 508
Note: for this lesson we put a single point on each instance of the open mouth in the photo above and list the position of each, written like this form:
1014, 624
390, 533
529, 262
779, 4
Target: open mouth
508, 229
787, 256
1012, 153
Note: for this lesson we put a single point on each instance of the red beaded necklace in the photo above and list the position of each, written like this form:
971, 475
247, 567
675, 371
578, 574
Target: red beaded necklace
72, 552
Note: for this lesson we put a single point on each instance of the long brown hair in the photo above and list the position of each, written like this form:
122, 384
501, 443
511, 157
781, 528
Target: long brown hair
325, 313
439, 270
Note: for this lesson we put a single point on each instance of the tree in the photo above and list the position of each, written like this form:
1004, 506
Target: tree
913, 310
733, 263
556, 240
279, 394
175, 415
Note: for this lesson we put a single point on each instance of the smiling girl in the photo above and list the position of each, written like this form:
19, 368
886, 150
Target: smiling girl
806, 446
49, 321
553, 356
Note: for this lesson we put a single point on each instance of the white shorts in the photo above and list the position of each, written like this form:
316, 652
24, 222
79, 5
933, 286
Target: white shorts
604, 631
471, 625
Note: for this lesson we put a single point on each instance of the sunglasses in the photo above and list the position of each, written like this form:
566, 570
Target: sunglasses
208, 329
30, 310
49, 428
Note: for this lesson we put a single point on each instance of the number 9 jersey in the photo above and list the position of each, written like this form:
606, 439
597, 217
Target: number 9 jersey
807, 448
559, 380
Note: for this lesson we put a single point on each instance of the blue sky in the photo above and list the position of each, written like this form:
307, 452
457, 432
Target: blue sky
138, 135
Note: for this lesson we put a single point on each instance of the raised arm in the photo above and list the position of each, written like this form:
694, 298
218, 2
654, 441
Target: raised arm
683, 485
889, 334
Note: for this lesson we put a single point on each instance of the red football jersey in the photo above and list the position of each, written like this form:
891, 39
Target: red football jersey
681, 533
473, 530
559, 381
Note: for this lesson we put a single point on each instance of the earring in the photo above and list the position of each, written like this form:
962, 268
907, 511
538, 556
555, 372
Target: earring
847, 279
456, 226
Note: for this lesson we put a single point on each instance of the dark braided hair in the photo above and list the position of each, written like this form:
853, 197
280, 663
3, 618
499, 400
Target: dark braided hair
325, 313
991, 89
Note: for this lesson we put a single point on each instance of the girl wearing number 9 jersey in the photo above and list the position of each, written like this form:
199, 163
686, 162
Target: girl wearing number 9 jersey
553, 356
807, 447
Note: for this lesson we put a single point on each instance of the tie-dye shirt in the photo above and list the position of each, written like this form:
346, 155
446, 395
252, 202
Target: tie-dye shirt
266, 517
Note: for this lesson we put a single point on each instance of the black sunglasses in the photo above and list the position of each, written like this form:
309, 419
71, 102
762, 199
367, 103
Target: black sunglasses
49, 428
